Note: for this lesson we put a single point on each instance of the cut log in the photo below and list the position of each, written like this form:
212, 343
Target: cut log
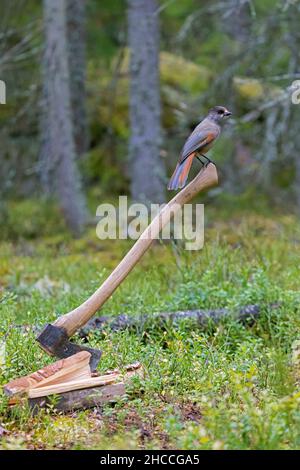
75, 389
87, 382
75, 367
89, 397
81, 399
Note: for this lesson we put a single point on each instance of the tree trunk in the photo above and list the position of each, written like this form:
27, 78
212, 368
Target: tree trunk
76, 41
237, 20
147, 168
59, 140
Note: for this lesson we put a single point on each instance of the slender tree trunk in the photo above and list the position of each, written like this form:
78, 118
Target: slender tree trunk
76, 44
237, 20
60, 140
147, 168
76, 41
289, 126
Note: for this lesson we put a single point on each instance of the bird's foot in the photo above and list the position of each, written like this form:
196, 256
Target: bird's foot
202, 163
208, 160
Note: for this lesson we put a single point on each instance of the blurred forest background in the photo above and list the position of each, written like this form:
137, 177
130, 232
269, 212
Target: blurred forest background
85, 120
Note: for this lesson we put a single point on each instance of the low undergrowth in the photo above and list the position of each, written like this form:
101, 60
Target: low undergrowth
228, 386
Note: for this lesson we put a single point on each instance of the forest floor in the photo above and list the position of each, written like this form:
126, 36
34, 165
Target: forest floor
229, 386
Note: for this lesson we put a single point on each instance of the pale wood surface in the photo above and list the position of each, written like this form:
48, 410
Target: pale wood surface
81, 399
75, 319
71, 385
87, 382
75, 366
88, 397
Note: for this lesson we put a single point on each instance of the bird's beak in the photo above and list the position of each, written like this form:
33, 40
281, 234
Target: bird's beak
227, 113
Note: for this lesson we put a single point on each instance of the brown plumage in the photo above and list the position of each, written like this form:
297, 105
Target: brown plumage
198, 143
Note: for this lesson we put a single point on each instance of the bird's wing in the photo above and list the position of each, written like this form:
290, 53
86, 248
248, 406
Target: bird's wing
203, 135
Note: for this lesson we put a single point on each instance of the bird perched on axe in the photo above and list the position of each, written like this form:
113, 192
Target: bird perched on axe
199, 142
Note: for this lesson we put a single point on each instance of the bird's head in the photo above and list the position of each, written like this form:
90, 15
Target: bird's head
219, 113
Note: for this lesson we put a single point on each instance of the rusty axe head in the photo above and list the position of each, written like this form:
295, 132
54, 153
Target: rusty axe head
55, 341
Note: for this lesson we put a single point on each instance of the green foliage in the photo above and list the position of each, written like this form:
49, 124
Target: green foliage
202, 63
183, 74
105, 24
29, 219
97, 166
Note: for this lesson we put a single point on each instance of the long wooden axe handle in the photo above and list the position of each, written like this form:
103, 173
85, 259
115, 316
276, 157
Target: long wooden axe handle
75, 319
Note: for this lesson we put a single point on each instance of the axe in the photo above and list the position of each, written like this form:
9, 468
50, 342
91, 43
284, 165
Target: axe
54, 338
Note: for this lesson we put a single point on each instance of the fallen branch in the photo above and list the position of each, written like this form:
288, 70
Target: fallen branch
247, 314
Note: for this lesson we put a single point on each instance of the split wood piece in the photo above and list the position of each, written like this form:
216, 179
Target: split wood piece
88, 382
89, 397
75, 367
72, 385
91, 389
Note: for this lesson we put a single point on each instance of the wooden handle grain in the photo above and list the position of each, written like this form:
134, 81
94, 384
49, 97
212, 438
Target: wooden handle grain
75, 319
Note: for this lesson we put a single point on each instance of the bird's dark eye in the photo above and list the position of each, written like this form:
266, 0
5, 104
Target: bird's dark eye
220, 111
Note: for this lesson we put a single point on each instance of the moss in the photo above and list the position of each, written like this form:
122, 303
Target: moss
183, 74
248, 88
180, 80
252, 89
30, 219
177, 72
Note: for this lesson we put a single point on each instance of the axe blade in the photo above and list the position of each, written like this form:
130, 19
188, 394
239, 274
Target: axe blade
55, 341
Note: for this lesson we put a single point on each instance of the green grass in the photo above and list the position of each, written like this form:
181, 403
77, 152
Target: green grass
229, 386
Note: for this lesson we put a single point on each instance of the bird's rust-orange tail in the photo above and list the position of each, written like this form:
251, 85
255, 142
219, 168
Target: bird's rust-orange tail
181, 173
